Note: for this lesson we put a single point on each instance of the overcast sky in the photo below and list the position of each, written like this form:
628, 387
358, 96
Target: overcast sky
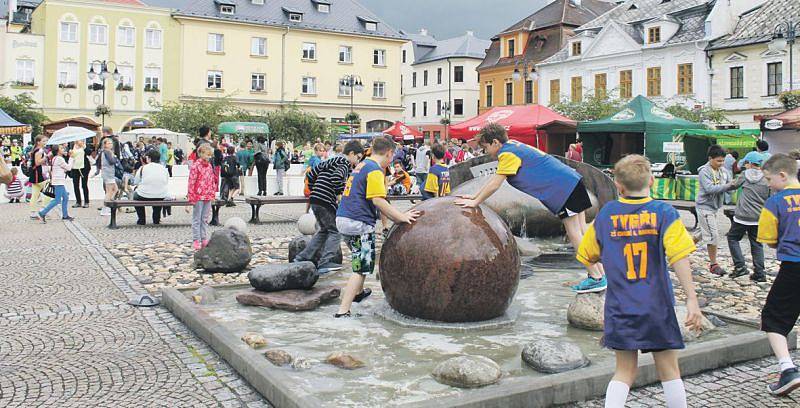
450, 18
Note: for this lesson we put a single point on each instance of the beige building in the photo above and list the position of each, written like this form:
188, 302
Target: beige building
21, 65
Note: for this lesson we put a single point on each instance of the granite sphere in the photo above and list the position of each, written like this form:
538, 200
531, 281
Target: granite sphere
452, 265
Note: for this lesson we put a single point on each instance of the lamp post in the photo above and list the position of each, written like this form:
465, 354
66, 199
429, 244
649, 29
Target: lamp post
354, 83
527, 72
785, 34
103, 73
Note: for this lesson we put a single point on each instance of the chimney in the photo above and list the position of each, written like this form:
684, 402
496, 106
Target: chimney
423, 31
470, 33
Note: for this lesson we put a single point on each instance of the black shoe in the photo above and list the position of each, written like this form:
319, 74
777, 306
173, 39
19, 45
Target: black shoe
86, 205
789, 381
738, 272
77, 205
717, 270
140, 222
758, 277
346, 314
363, 295
68, 218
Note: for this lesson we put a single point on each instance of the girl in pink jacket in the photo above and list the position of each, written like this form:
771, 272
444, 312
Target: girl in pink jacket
202, 189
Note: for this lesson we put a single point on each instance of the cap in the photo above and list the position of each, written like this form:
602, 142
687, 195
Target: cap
754, 158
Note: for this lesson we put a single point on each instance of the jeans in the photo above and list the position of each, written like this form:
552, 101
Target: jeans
421, 179
80, 181
279, 180
62, 198
200, 213
140, 214
327, 239
735, 235
261, 169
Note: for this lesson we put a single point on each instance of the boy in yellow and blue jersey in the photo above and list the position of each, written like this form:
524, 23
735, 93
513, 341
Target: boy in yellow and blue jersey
779, 227
635, 238
559, 187
364, 194
438, 182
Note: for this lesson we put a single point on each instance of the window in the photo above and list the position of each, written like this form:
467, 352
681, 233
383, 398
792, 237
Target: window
67, 74
125, 82
214, 79
216, 43
152, 38
257, 82
555, 91
98, 34
345, 54
529, 91
25, 72
379, 57
424, 109
261, 2
402, 84
379, 90
371, 26
489, 95
438, 107
345, 90
425, 78
737, 82
685, 85
414, 80
511, 51
413, 109
296, 18
324, 8
404, 56
774, 78
309, 86
600, 85
458, 73
258, 47
576, 48
126, 36
654, 35
226, 9
458, 107
626, 84
309, 51
152, 79
654, 81
509, 93
577, 89
69, 32
439, 76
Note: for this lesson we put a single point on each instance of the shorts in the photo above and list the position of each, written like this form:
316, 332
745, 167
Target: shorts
233, 182
782, 307
362, 248
709, 227
577, 202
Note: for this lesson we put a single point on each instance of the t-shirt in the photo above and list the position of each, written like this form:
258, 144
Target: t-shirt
245, 159
163, 150
366, 182
423, 162
403, 178
438, 181
537, 174
635, 239
327, 181
314, 161
779, 223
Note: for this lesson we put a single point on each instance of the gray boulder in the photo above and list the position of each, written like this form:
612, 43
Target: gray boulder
690, 335
548, 356
294, 300
467, 372
298, 244
586, 311
228, 251
277, 277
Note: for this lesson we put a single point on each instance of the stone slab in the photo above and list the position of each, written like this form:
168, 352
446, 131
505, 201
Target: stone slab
384, 311
293, 300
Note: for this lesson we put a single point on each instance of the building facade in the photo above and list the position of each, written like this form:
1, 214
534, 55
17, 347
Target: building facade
440, 81
22, 65
526, 43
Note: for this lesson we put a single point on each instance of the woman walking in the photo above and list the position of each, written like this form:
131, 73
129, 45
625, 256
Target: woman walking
58, 179
202, 190
37, 180
261, 158
282, 164
80, 174
106, 165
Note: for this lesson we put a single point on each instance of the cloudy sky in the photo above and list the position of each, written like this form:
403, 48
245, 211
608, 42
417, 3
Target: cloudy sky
450, 18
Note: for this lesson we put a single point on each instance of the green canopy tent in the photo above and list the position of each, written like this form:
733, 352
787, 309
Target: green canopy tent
697, 141
640, 127
243, 128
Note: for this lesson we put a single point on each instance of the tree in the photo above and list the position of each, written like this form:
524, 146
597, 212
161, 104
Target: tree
790, 99
591, 107
295, 125
188, 117
704, 114
22, 108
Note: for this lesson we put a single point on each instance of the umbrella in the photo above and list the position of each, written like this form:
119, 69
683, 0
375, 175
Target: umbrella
70, 134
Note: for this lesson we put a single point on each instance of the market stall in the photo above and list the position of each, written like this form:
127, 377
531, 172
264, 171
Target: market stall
182, 140
782, 131
359, 136
10, 127
403, 134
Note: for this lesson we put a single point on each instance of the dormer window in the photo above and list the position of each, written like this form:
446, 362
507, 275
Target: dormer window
324, 8
511, 50
296, 18
258, 2
654, 35
369, 23
226, 9
372, 26
576, 48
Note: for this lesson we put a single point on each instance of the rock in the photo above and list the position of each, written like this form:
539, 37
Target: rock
254, 340
298, 244
343, 360
277, 277
716, 321
204, 295
527, 248
467, 372
278, 357
689, 335
548, 356
702, 301
586, 311
237, 224
294, 300
301, 363
307, 224
228, 251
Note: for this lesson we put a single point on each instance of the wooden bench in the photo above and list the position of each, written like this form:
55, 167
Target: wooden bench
117, 204
256, 202
690, 206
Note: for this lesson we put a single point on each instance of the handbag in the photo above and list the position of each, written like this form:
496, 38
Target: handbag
48, 189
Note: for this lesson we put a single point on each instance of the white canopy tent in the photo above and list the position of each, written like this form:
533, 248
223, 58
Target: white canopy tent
181, 140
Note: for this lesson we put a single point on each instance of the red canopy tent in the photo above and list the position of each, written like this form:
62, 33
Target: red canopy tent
400, 132
528, 124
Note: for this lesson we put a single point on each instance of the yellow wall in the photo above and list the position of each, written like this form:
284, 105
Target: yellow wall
498, 77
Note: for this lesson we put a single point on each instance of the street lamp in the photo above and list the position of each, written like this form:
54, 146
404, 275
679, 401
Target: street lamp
528, 71
354, 83
783, 35
103, 73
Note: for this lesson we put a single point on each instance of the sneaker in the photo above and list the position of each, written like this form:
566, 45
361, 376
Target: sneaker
41, 218
738, 272
34, 215
363, 295
717, 270
590, 285
205, 243
196, 245
789, 381
328, 268
77, 205
758, 277
86, 205
68, 218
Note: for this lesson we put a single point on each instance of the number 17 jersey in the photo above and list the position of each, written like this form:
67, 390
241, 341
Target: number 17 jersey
635, 239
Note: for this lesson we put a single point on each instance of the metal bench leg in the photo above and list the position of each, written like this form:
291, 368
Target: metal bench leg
255, 208
113, 224
696, 220
214, 215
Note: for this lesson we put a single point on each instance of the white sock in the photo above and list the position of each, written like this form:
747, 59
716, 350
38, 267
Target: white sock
674, 393
616, 394
786, 363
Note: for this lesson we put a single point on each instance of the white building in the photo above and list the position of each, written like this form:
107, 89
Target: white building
437, 75
22, 62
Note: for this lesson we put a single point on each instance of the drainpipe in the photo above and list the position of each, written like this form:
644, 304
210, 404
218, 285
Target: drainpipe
449, 98
710, 60
283, 66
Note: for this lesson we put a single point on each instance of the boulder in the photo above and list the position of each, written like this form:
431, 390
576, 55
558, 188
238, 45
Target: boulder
307, 224
344, 360
228, 251
301, 363
204, 295
293, 300
586, 311
527, 248
690, 335
298, 244
277, 277
549, 356
236, 223
467, 372
279, 357
254, 340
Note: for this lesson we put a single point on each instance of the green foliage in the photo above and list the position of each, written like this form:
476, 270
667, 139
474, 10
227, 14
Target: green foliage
591, 107
188, 117
702, 115
295, 125
352, 117
445, 121
790, 99
23, 108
